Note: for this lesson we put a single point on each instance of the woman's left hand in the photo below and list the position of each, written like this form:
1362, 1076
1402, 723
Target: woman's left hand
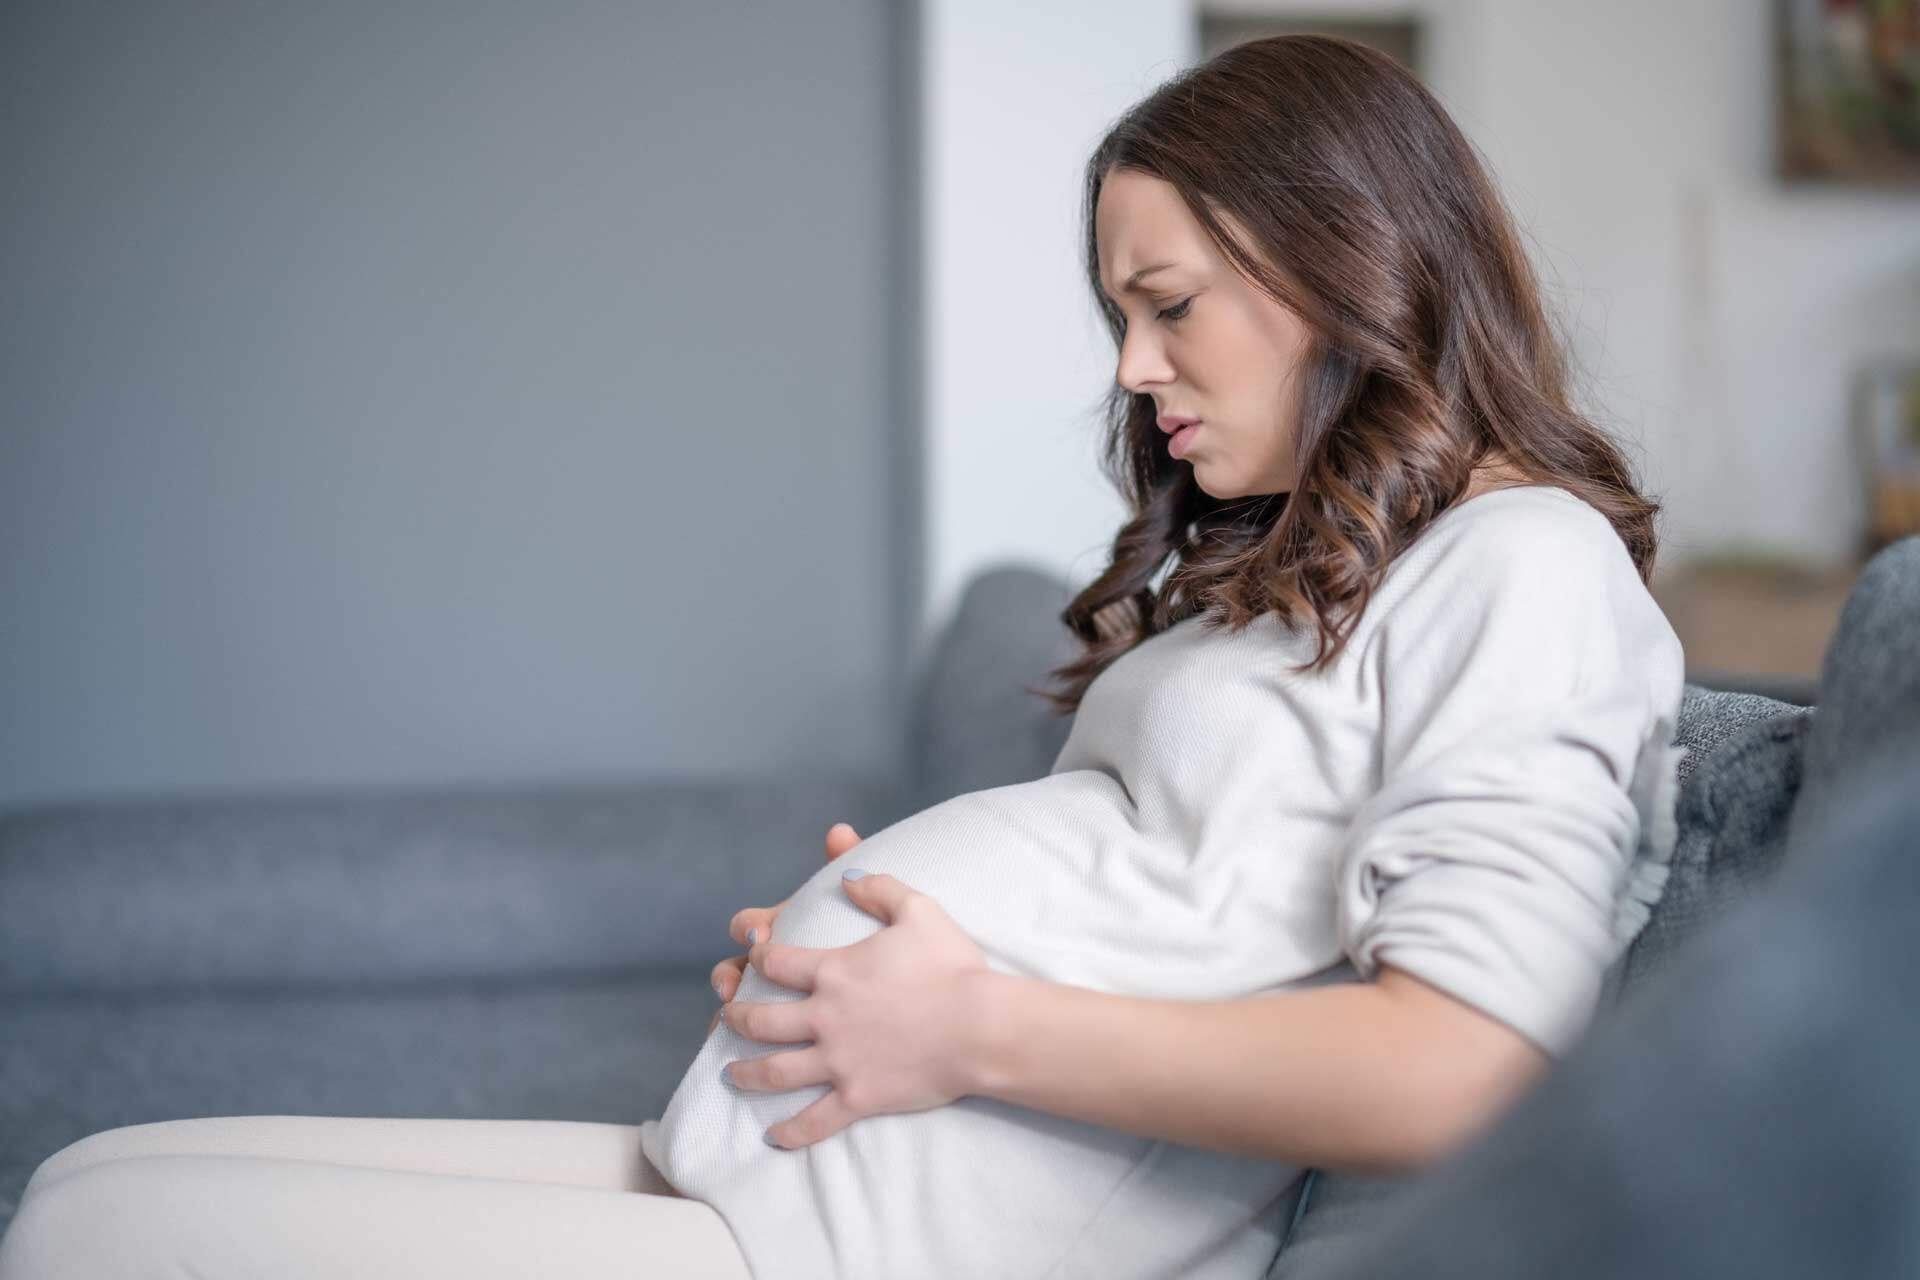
890, 1016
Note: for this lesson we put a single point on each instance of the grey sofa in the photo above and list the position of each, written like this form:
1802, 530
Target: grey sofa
543, 951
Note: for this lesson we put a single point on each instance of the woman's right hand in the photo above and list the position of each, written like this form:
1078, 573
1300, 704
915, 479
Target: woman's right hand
727, 974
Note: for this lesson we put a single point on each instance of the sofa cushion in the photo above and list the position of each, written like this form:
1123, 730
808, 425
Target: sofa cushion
1739, 780
376, 884
610, 1049
1771, 768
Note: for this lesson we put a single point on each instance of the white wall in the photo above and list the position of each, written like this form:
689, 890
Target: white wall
1717, 316
1722, 313
1015, 363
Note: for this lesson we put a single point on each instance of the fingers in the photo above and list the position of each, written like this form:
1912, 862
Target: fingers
790, 966
822, 1118
726, 976
879, 894
840, 837
778, 1022
778, 1072
748, 919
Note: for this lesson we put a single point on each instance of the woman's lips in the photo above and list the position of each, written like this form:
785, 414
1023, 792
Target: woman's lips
1182, 440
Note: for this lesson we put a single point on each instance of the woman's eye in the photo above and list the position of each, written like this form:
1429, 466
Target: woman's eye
1178, 311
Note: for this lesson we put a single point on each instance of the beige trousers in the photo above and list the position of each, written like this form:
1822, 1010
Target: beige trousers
307, 1197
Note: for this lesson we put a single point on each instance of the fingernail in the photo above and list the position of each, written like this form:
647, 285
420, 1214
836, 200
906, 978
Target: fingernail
767, 1138
726, 1074
717, 991
753, 935
852, 873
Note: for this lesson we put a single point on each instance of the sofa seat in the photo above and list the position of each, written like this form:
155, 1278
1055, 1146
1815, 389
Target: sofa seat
606, 1048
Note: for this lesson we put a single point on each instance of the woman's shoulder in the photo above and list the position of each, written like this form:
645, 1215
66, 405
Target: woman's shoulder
1517, 506
1517, 528
1527, 547
1532, 588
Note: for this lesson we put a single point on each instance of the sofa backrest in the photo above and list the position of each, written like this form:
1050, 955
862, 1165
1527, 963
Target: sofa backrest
382, 884
973, 725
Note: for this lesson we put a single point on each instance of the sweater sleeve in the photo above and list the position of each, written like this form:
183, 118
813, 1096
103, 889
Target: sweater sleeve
1529, 687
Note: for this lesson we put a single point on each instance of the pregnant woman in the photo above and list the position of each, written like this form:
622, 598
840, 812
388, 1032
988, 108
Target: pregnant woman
1369, 781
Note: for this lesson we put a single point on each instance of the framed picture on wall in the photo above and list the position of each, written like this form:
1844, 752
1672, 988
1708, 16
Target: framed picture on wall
1849, 90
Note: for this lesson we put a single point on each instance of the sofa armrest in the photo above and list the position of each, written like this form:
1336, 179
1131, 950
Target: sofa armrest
379, 885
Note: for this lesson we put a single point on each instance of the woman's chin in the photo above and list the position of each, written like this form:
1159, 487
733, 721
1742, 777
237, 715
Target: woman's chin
1212, 484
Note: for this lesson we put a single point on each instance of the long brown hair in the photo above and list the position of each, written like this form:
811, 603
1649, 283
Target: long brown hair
1429, 349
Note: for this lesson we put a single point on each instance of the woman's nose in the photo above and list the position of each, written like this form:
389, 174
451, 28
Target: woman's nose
1138, 366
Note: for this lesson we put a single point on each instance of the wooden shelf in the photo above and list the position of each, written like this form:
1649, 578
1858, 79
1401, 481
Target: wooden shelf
1769, 624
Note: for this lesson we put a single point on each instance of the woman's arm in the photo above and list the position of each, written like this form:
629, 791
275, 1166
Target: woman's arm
1370, 1077
1376, 1076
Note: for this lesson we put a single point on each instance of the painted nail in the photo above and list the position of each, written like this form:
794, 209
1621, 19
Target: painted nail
767, 1137
726, 1074
753, 936
852, 873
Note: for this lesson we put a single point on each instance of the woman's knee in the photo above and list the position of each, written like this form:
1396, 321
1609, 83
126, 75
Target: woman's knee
87, 1221
82, 1153
157, 1137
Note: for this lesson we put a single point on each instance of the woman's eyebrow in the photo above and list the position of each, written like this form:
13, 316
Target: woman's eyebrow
1133, 281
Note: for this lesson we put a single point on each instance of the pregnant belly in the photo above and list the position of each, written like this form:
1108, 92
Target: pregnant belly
1052, 879
1057, 879
1021, 869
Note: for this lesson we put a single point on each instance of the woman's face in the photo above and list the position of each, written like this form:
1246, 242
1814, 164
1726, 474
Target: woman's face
1227, 354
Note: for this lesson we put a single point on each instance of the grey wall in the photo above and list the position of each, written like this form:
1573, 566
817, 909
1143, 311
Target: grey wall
452, 392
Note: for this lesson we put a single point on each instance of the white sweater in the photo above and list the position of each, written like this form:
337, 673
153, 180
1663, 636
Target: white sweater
1461, 795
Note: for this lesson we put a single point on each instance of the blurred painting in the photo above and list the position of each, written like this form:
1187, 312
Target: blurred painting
1849, 90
